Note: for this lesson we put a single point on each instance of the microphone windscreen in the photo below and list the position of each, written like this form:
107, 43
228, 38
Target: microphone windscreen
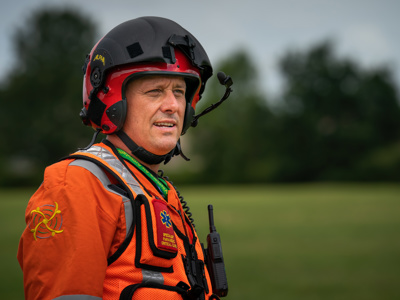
221, 77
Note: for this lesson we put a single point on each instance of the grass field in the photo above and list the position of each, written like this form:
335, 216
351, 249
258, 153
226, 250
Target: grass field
311, 241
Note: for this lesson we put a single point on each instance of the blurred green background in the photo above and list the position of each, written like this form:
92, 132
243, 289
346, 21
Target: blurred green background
332, 120
304, 181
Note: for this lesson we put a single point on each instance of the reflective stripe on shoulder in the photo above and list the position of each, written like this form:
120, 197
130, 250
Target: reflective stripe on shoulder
102, 177
94, 169
115, 164
77, 297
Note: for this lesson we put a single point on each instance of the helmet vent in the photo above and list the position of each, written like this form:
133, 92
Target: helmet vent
134, 50
168, 53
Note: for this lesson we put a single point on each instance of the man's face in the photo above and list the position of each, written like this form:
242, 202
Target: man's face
156, 109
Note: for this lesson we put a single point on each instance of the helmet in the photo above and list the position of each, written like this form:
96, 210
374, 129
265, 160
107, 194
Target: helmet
139, 47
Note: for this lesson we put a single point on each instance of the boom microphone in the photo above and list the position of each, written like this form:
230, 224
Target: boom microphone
223, 80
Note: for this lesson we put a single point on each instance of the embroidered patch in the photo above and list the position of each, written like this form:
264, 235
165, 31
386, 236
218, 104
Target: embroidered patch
46, 221
165, 219
165, 237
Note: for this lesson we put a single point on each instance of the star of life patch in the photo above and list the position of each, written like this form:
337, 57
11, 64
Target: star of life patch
165, 237
46, 221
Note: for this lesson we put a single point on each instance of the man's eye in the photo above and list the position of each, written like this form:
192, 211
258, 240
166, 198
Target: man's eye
179, 92
153, 92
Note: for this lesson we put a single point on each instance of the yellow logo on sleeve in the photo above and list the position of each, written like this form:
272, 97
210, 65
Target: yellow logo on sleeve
46, 221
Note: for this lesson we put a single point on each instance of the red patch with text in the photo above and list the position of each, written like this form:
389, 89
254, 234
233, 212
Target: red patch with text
165, 238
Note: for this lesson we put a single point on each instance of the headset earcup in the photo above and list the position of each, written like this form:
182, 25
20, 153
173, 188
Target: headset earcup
117, 114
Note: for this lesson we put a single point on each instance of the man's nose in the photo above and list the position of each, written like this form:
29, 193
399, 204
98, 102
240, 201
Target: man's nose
170, 103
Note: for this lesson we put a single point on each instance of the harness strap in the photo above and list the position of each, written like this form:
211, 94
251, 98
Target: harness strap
110, 164
100, 162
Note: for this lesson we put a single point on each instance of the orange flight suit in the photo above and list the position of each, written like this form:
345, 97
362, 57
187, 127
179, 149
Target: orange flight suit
97, 228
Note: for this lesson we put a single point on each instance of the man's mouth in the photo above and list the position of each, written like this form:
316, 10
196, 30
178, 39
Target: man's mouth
164, 124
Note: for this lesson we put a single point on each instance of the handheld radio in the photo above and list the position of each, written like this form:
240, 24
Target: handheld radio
215, 260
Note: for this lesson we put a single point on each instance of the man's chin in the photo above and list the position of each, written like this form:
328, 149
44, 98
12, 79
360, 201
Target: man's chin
163, 149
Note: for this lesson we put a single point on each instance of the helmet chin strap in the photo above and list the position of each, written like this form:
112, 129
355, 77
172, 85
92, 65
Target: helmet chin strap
146, 156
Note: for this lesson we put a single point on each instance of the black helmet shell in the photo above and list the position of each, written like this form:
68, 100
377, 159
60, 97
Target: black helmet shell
146, 40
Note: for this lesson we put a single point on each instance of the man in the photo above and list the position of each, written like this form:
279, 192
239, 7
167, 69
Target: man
104, 224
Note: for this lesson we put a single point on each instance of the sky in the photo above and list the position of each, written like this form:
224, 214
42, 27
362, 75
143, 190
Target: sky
365, 30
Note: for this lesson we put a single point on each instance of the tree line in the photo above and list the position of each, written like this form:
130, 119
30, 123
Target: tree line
332, 121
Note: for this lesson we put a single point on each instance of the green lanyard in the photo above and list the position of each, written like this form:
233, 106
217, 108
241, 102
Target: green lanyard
161, 184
